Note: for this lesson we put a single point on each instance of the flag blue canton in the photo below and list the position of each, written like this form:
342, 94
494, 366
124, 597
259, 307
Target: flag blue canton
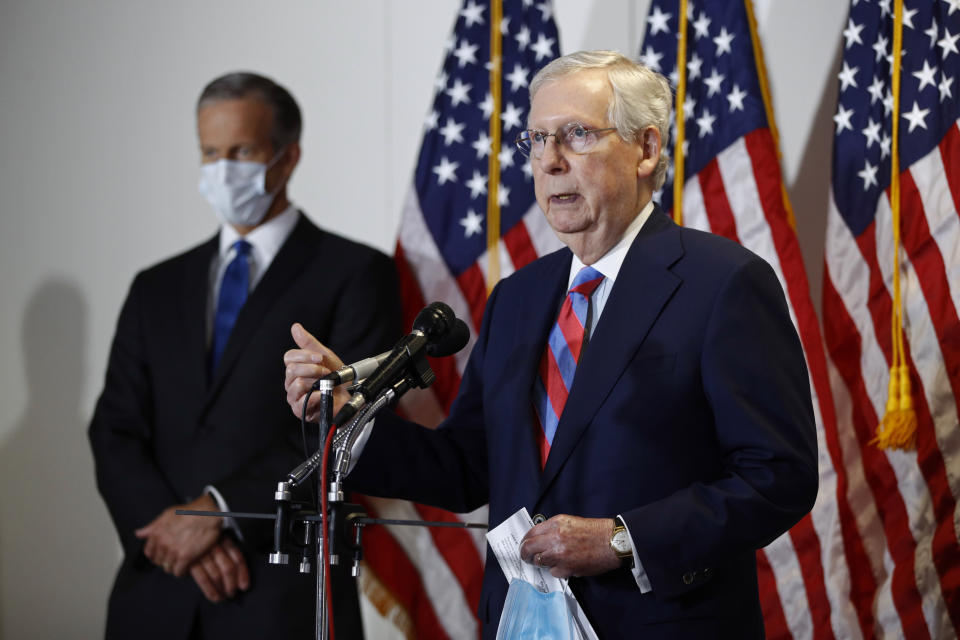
928, 97
723, 100
451, 174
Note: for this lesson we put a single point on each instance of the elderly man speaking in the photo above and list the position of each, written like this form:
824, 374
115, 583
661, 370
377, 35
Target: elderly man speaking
644, 389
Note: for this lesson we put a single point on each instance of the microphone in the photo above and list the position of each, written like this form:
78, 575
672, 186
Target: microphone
447, 345
356, 371
432, 326
453, 341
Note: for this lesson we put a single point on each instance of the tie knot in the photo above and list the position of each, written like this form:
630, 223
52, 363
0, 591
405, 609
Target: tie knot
242, 247
586, 280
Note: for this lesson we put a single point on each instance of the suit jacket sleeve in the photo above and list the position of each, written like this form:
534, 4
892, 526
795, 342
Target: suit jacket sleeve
755, 380
129, 479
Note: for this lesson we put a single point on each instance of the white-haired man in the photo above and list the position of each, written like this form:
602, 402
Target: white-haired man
684, 441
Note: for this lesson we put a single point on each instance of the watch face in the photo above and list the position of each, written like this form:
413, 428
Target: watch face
621, 542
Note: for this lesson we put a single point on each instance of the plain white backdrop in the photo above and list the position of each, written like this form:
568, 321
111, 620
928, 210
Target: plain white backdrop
98, 174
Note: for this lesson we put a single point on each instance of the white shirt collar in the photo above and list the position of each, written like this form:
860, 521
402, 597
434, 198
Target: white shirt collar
265, 240
609, 264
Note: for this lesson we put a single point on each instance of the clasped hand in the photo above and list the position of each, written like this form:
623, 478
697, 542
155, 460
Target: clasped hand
181, 544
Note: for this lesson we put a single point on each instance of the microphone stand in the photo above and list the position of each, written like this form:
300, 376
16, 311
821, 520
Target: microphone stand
326, 418
417, 374
313, 526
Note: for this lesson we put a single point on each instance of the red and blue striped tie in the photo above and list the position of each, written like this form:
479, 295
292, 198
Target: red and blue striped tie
559, 362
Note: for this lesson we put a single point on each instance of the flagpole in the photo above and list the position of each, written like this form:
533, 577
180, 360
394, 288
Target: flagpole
678, 159
493, 163
768, 103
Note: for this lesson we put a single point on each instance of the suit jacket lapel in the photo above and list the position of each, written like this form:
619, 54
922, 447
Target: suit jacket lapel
643, 286
296, 252
194, 292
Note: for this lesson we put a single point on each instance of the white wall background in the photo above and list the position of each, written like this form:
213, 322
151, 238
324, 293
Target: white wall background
98, 172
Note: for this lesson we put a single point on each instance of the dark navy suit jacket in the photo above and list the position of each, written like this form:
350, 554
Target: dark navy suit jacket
690, 415
162, 430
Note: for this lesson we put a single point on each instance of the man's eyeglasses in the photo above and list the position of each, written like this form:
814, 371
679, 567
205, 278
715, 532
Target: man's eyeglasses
574, 136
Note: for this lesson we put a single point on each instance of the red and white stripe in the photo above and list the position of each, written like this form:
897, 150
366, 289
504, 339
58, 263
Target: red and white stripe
908, 524
433, 574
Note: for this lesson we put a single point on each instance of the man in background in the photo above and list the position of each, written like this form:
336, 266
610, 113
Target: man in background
192, 414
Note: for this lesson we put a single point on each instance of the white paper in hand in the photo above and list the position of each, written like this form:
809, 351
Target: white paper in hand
505, 542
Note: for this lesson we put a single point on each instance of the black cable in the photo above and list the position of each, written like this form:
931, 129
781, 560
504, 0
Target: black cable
303, 436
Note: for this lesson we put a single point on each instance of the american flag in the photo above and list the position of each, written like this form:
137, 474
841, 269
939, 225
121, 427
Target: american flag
898, 509
734, 187
428, 580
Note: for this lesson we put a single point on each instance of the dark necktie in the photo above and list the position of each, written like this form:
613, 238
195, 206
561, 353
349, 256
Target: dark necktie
559, 362
233, 293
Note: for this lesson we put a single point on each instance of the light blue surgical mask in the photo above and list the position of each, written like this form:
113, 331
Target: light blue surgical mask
529, 614
237, 190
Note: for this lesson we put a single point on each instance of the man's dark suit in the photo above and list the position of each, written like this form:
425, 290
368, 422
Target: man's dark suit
689, 415
162, 431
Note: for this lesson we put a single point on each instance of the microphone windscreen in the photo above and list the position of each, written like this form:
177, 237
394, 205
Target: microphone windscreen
452, 341
435, 320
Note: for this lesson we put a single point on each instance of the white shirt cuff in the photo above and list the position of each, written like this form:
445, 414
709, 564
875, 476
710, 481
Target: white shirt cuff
643, 582
357, 450
228, 523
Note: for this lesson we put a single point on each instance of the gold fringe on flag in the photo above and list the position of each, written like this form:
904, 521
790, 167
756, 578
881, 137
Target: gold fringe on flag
898, 428
493, 164
681, 120
385, 602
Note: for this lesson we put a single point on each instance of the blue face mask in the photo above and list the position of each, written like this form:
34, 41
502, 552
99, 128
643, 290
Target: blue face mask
237, 190
531, 615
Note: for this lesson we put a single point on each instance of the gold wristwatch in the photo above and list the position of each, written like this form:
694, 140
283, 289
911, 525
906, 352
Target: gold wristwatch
621, 544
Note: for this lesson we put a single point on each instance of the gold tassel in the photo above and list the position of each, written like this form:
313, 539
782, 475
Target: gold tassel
898, 428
